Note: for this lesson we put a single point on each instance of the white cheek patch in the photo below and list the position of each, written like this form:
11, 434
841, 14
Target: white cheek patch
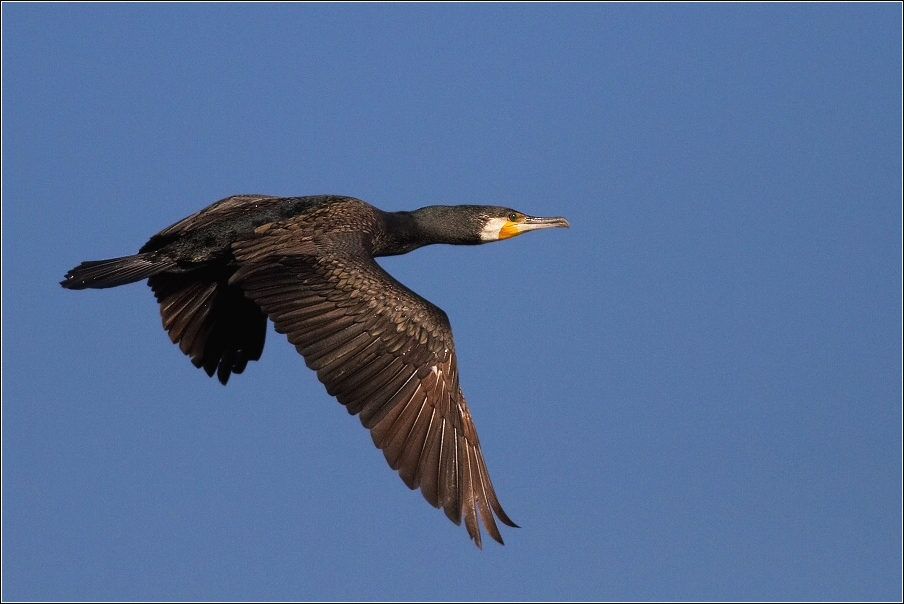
491, 229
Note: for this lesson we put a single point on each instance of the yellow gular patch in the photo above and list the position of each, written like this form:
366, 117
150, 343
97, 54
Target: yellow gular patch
509, 229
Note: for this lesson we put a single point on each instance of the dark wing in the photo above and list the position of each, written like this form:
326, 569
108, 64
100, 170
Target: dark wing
212, 322
386, 354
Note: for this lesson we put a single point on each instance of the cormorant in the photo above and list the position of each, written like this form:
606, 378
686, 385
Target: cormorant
307, 264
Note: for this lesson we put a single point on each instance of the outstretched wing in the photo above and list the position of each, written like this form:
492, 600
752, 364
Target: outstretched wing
386, 354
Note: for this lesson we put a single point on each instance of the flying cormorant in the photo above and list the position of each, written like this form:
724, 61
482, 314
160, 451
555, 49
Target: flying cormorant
307, 264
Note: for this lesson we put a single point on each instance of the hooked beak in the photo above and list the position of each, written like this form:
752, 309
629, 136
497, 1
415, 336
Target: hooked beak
530, 223
533, 222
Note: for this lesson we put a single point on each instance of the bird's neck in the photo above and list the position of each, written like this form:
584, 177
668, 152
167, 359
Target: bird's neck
408, 231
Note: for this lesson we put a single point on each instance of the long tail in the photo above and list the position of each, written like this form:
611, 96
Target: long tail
97, 274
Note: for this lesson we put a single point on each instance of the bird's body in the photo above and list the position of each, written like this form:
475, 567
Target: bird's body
306, 263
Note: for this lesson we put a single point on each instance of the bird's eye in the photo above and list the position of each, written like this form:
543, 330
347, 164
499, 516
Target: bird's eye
513, 216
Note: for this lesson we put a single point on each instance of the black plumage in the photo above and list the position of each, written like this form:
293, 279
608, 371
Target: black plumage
307, 264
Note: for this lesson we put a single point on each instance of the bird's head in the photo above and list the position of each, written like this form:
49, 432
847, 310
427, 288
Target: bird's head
504, 223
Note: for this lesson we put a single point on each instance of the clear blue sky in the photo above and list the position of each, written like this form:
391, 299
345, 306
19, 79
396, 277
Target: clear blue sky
693, 393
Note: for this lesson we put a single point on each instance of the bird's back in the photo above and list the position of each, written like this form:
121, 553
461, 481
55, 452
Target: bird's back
210, 233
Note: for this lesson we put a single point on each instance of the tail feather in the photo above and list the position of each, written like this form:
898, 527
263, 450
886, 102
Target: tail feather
98, 274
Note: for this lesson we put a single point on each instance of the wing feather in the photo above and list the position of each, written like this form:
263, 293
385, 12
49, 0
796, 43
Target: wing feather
386, 354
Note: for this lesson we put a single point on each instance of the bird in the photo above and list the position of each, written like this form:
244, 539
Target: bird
307, 264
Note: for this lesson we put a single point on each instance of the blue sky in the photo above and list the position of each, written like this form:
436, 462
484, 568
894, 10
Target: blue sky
693, 393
